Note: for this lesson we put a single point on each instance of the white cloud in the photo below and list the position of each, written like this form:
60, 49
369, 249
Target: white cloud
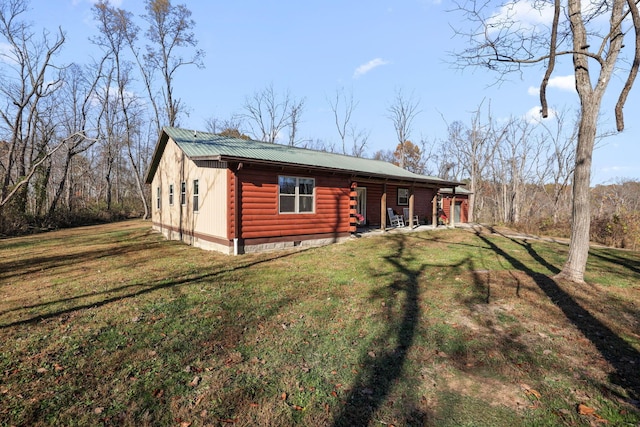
365, 68
534, 115
565, 83
525, 14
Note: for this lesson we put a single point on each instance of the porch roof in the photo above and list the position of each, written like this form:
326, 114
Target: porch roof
208, 146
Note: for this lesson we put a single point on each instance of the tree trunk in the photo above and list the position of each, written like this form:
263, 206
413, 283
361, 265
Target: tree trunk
590, 100
575, 265
139, 183
61, 186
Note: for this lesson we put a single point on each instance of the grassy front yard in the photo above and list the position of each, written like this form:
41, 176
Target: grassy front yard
113, 325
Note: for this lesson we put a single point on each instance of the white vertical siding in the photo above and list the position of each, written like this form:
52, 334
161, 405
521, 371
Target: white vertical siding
211, 218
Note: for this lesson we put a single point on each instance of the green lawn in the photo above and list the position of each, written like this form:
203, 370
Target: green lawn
113, 325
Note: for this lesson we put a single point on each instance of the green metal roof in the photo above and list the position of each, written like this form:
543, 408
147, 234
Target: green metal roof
202, 146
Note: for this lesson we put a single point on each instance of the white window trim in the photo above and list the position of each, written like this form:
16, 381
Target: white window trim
183, 193
196, 196
297, 195
408, 196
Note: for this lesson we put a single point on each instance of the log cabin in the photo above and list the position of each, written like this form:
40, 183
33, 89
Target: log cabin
238, 196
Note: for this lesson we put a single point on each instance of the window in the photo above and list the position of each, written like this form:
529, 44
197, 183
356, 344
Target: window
296, 194
158, 198
170, 194
196, 195
403, 196
183, 193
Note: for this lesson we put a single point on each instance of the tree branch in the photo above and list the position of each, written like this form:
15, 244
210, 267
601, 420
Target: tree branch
633, 72
552, 60
35, 166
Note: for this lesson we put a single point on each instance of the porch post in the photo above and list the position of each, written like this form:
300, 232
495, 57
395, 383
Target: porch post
452, 208
434, 208
353, 201
383, 208
411, 206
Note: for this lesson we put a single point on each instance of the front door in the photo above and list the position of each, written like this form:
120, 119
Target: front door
457, 212
361, 199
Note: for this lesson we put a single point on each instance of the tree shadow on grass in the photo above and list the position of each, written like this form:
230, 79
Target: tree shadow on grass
380, 371
129, 291
623, 357
626, 262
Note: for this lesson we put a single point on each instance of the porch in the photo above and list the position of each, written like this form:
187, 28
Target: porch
374, 204
373, 230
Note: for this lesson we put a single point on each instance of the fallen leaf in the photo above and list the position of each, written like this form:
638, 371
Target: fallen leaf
284, 396
195, 381
600, 419
585, 410
185, 424
297, 407
41, 370
533, 392
530, 391
98, 410
198, 400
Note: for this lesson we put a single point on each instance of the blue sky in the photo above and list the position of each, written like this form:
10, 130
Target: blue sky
370, 48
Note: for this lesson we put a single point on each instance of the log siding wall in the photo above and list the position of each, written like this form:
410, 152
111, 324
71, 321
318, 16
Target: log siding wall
461, 199
259, 210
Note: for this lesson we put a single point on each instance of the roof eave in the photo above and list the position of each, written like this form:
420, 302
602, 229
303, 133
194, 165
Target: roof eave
157, 154
355, 173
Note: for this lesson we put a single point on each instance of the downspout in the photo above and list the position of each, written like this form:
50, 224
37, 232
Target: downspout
237, 232
383, 208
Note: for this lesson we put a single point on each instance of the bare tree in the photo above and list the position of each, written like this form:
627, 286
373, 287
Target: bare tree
473, 148
268, 114
514, 168
113, 27
78, 93
29, 78
501, 40
359, 140
557, 171
343, 106
295, 115
170, 29
217, 125
402, 111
